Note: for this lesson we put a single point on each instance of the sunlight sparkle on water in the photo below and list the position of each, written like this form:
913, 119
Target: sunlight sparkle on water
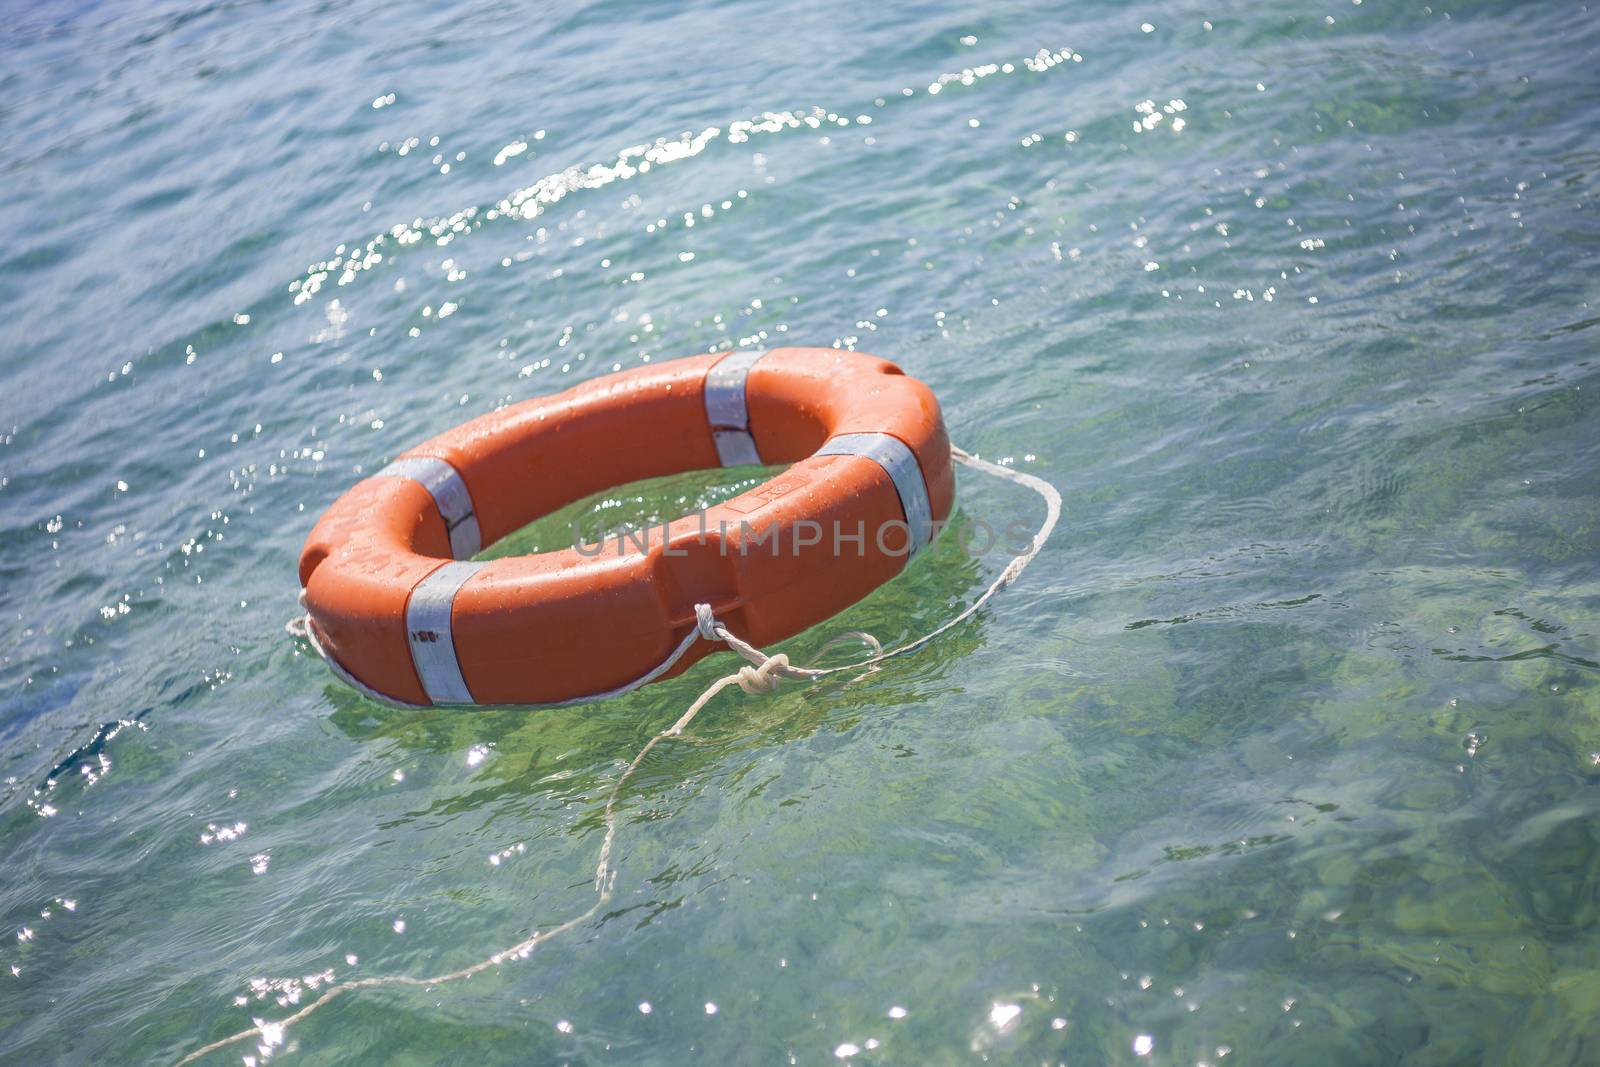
1003, 1015
533, 200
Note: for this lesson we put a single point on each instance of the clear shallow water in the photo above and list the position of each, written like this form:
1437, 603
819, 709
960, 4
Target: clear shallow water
1285, 748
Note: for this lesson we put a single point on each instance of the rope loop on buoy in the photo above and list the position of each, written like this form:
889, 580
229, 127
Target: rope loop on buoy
759, 677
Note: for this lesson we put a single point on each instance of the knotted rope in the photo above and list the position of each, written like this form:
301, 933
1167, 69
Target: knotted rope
761, 676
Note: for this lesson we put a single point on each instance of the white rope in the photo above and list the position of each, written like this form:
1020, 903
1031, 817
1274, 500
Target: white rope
709, 628
761, 676
300, 626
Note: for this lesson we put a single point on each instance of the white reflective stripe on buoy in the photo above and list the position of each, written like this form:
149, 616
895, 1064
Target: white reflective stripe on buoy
449, 492
725, 407
433, 648
900, 463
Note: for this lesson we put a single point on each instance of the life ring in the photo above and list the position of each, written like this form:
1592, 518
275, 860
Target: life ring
396, 602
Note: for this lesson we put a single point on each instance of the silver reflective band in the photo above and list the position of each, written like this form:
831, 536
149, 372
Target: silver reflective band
901, 464
450, 495
433, 650
725, 407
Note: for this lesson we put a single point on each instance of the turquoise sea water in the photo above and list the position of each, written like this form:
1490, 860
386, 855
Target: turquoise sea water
1285, 751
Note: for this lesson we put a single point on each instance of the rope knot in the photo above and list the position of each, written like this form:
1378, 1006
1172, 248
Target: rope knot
706, 622
763, 679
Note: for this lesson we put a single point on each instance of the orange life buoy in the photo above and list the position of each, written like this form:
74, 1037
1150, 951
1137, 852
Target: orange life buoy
394, 598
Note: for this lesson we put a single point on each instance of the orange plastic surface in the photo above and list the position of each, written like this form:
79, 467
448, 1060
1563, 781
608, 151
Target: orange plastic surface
560, 625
